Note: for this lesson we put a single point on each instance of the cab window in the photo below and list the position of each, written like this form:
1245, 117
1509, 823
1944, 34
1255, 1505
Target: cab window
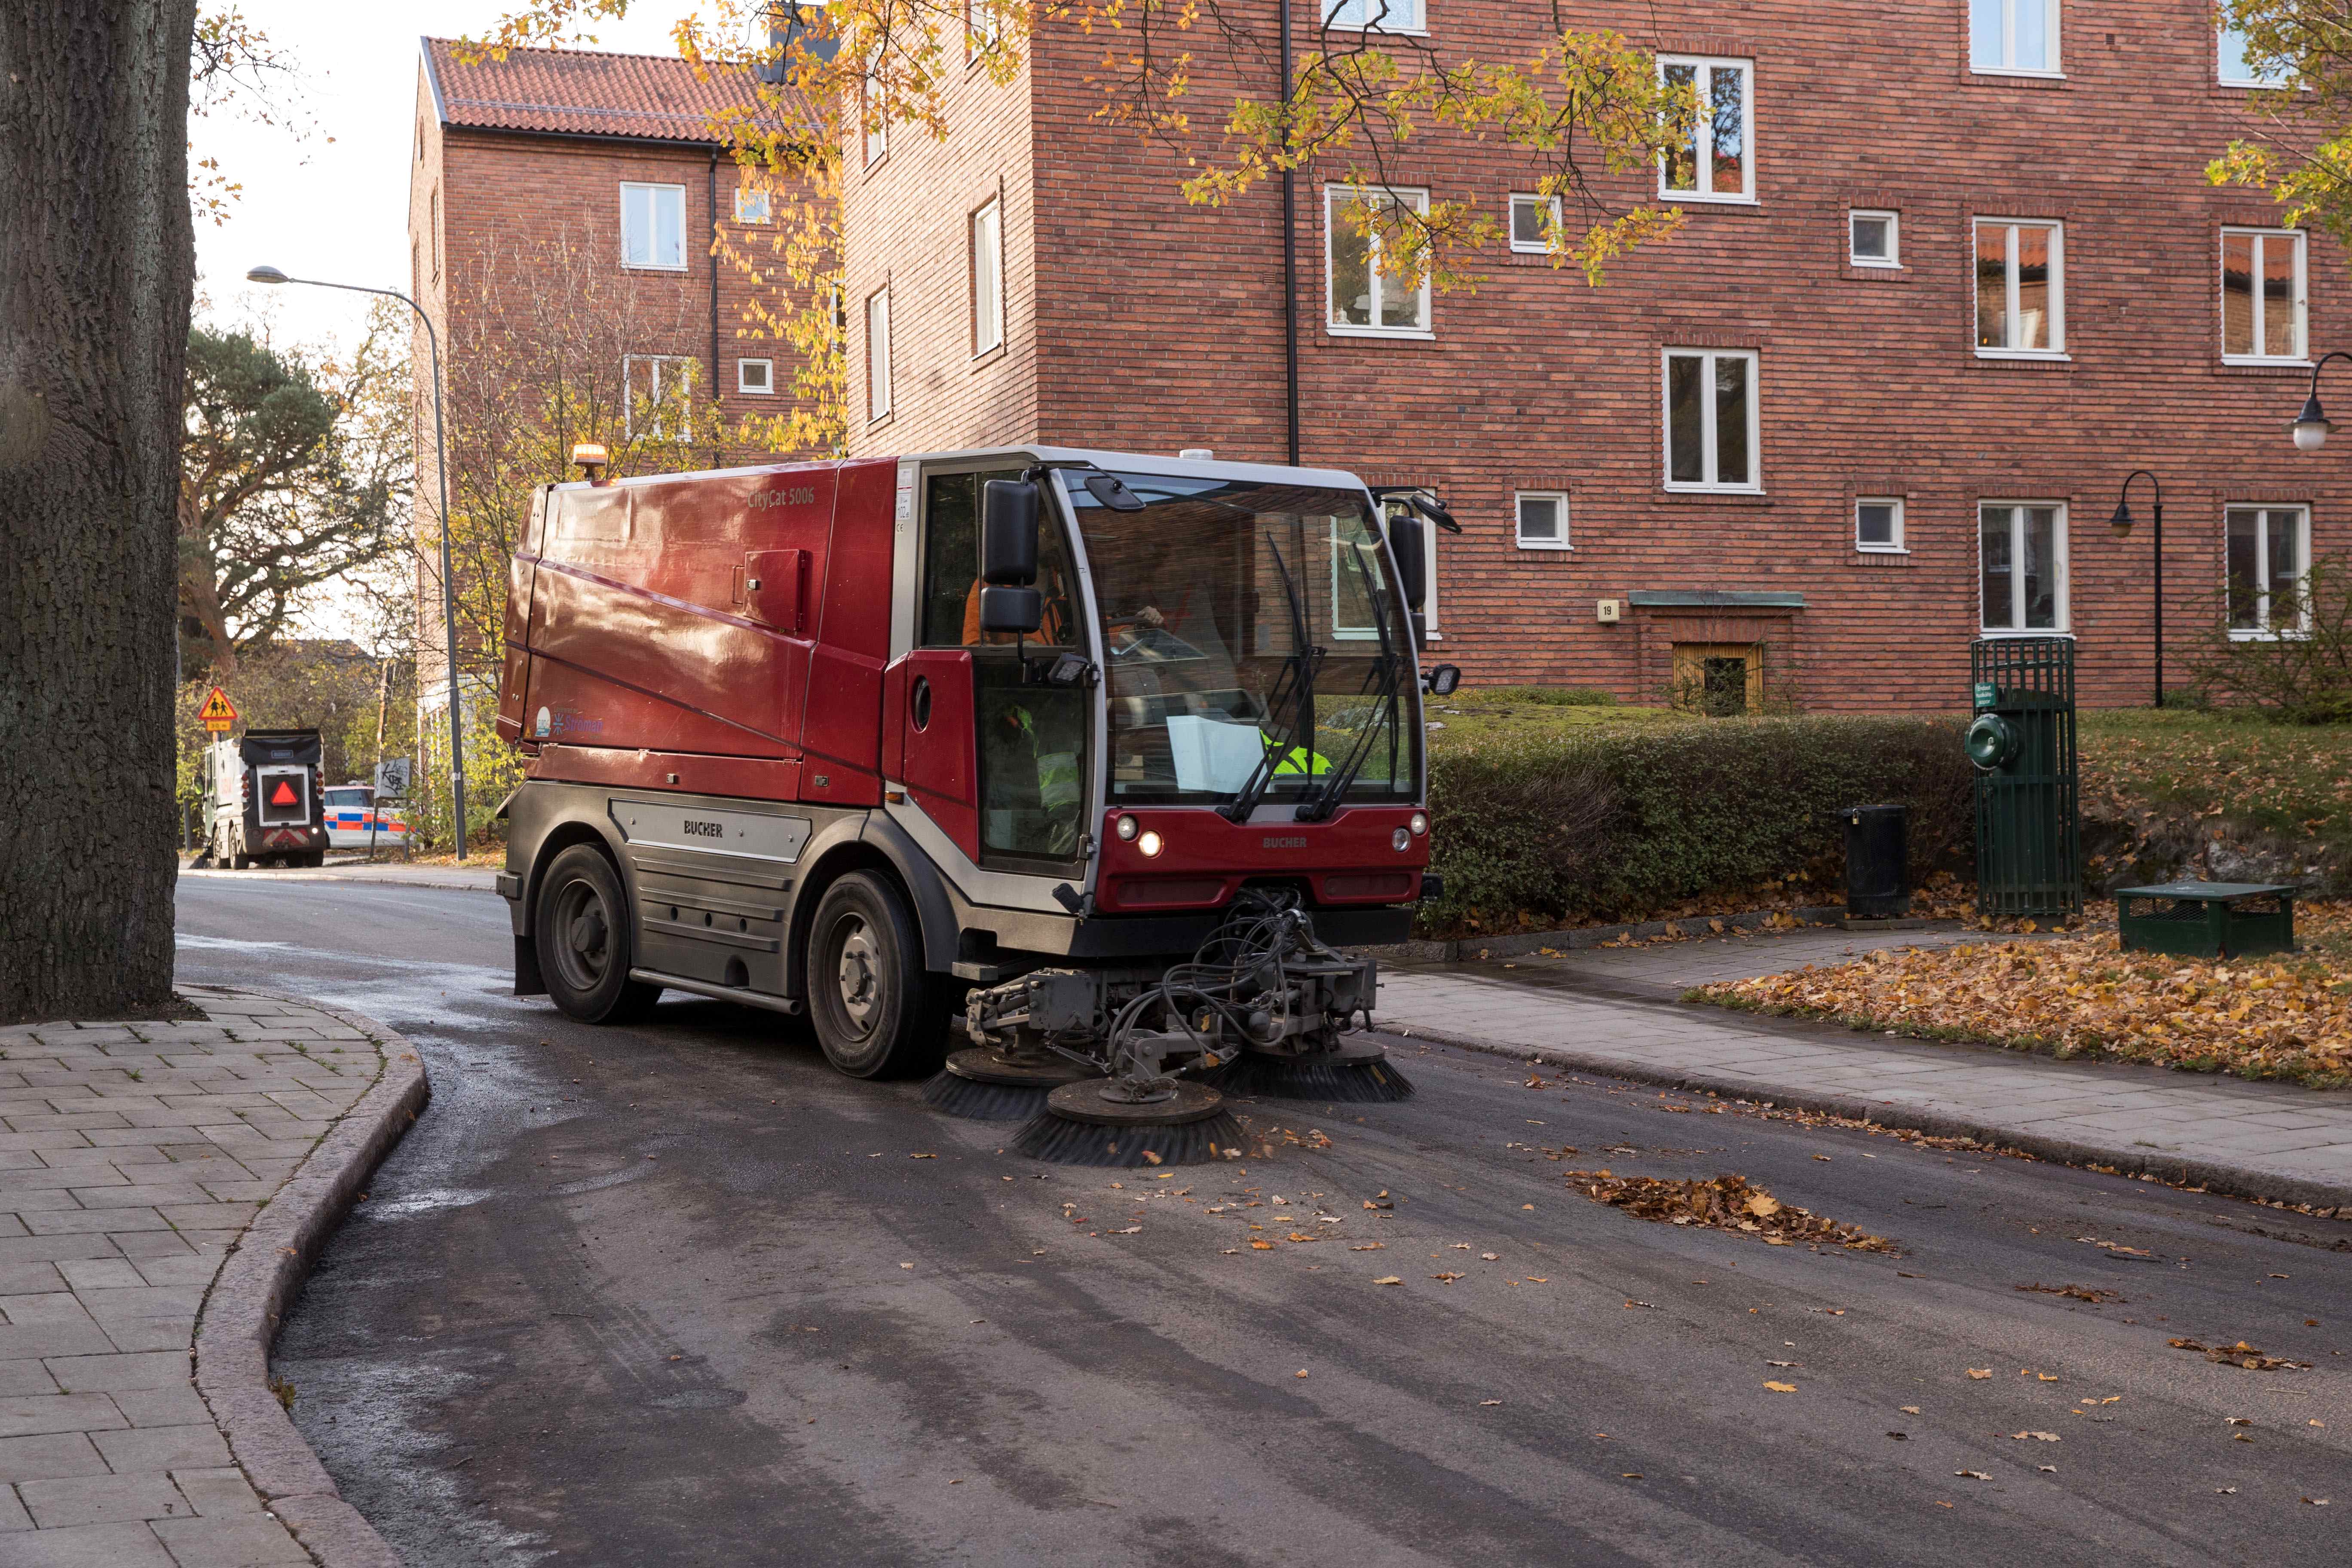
1031, 739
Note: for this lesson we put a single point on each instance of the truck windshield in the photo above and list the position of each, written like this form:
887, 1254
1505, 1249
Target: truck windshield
1204, 595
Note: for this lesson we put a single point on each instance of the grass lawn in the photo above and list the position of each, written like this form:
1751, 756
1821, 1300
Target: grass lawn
2288, 781
2283, 1017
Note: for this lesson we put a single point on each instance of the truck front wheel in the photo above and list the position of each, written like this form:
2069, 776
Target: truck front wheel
878, 1014
582, 936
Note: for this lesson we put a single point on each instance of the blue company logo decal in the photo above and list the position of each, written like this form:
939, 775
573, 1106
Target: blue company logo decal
543, 723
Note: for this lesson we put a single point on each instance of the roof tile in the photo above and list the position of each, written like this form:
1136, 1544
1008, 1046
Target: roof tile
587, 92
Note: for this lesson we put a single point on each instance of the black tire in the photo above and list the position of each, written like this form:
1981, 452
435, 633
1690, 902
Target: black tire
313, 860
875, 1011
581, 929
239, 860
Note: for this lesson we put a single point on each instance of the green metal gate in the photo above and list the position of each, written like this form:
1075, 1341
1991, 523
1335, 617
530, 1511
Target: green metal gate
2028, 826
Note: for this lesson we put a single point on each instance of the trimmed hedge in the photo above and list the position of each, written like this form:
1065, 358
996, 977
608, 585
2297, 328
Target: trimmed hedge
1615, 822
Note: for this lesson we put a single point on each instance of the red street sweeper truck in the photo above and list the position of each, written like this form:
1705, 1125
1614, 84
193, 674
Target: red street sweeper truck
1095, 760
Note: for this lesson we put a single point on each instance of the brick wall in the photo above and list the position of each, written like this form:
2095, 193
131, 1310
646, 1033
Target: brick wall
1158, 325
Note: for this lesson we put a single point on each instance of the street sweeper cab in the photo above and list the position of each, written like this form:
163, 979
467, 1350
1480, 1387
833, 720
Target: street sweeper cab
1096, 762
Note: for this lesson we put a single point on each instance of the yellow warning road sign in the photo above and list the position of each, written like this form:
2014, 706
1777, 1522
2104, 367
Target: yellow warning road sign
217, 712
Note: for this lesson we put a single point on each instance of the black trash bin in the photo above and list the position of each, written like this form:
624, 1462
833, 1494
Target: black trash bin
1877, 863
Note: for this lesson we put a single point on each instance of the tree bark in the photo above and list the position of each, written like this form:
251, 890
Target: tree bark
97, 263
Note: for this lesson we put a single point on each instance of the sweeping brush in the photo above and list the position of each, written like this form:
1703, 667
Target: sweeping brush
981, 1086
1349, 1080
1061, 1142
1079, 1127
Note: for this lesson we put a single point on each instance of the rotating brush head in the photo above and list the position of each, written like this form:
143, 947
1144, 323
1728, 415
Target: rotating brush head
1062, 1142
953, 1095
1362, 1081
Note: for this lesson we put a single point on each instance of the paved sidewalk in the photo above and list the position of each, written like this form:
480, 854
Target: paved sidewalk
1611, 1011
133, 1157
473, 876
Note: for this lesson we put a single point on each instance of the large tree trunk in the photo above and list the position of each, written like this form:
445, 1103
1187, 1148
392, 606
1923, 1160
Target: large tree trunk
97, 261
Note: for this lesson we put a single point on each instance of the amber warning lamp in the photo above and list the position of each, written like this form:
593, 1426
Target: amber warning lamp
588, 458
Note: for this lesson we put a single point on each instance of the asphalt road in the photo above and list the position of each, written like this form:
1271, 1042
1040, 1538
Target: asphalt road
680, 1294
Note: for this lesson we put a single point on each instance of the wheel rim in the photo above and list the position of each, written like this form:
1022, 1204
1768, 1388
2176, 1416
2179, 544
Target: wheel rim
857, 973
584, 935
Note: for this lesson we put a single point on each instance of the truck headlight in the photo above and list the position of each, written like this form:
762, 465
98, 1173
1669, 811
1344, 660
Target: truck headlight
1149, 843
1401, 840
1420, 823
1127, 826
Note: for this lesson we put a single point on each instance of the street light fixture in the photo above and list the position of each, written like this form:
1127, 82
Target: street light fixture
2122, 524
273, 277
2311, 426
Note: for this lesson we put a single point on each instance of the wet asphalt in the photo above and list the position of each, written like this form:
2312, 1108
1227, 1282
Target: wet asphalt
678, 1293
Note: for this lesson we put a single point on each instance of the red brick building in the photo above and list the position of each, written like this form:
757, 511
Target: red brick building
1951, 270
564, 206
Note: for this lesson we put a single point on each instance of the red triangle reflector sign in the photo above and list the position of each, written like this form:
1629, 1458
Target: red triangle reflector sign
284, 794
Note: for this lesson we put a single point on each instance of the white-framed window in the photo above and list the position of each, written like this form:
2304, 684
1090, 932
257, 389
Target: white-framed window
1542, 518
983, 27
2232, 68
753, 205
1712, 425
988, 277
2013, 38
1364, 302
1533, 220
658, 396
653, 226
756, 376
877, 130
1878, 524
2021, 565
2020, 288
878, 354
1874, 238
1377, 16
2269, 551
1718, 164
2263, 297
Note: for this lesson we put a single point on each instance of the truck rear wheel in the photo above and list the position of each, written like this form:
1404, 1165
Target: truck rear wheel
582, 932
239, 860
876, 1013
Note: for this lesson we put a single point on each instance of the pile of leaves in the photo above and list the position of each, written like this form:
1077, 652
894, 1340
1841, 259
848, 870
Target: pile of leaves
1724, 1202
2281, 1016
2240, 1354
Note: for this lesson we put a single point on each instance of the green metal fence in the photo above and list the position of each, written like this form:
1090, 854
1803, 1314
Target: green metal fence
2029, 825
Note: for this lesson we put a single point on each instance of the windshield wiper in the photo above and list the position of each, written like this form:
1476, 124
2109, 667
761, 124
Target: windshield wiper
1334, 788
1298, 671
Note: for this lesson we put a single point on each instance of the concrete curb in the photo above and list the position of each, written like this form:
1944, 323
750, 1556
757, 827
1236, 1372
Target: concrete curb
238, 1323
446, 884
1525, 941
2231, 1181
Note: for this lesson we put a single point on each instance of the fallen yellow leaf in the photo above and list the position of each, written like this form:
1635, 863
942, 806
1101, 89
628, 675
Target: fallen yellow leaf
1781, 1387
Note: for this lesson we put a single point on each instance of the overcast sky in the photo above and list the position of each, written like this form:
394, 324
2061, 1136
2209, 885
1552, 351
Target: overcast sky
339, 209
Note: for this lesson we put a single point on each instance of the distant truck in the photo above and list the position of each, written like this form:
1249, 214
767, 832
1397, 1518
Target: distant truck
262, 800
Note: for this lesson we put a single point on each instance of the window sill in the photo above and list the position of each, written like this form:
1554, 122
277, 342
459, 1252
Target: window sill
2293, 634
1708, 199
1862, 265
987, 355
876, 421
2015, 74
2263, 361
1881, 550
1402, 334
1881, 559
1554, 545
1748, 494
2022, 356
646, 266
1377, 32
755, 392
2030, 632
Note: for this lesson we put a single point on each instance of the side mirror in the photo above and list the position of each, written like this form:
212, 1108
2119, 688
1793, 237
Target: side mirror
1408, 540
1008, 537
1441, 679
1004, 608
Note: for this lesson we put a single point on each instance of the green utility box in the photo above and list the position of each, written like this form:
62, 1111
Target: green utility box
2207, 920
2029, 829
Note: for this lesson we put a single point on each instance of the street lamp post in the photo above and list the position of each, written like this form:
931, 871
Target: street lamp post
2311, 426
2122, 523
272, 276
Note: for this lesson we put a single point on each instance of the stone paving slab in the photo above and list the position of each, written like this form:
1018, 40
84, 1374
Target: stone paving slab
1610, 1011
119, 1197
